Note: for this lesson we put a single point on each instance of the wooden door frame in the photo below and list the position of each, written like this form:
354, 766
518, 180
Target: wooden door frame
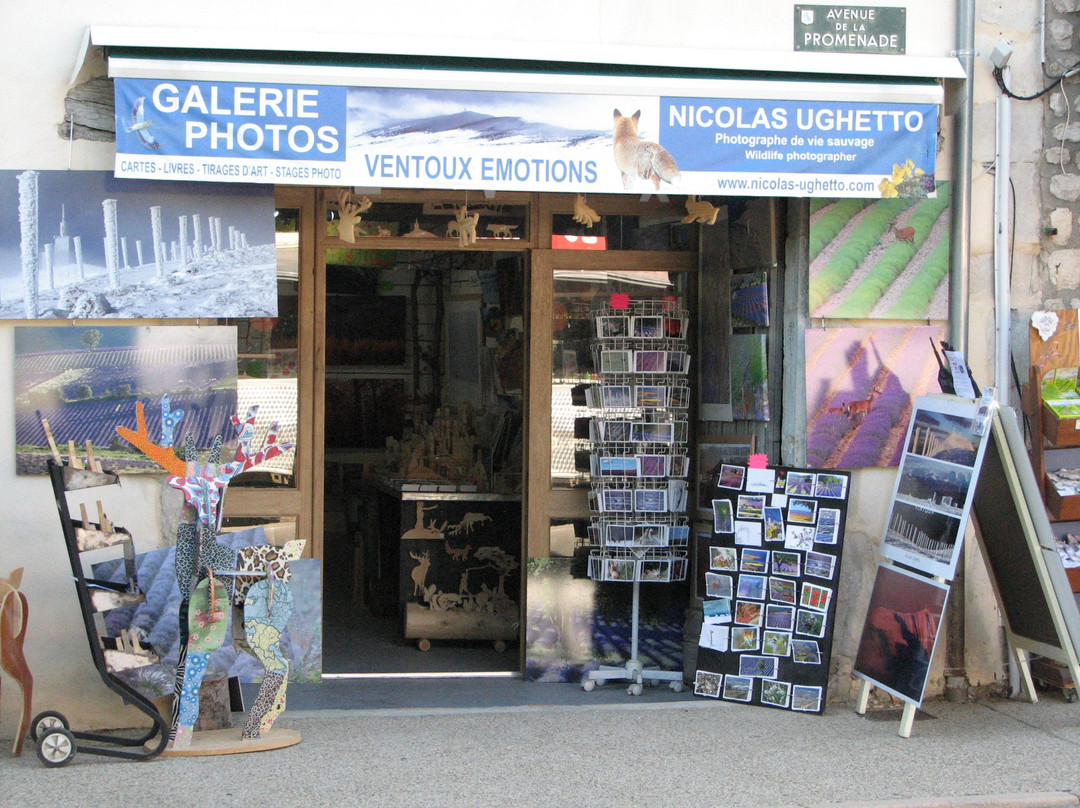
303, 501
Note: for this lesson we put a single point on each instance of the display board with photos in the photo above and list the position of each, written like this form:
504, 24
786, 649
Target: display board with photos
768, 570
638, 436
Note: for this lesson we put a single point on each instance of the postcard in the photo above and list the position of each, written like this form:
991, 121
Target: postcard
744, 639
820, 565
774, 524
777, 643
812, 624
717, 611
722, 520
717, 586
747, 613
731, 476
781, 590
805, 652
755, 561
760, 481
828, 526
714, 637
751, 587
775, 694
801, 511
799, 537
651, 465
758, 667
748, 533
738, 688
708, 684
815, 597
722, 558
805, 698
612, 327
800, 485
647, 327
784, 563
831, 486
779, 618
751, 506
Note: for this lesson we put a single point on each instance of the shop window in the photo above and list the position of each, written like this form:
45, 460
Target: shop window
657, 233
267, 362
580, 296
492, 221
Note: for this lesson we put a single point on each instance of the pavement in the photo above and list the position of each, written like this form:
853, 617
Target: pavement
377, 742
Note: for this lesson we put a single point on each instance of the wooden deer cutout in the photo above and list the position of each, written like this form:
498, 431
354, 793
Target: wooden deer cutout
350, 213
13, 616
463, 226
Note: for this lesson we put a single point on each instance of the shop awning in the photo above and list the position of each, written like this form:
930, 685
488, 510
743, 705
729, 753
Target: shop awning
694, 131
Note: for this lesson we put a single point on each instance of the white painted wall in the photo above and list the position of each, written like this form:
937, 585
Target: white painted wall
40, 42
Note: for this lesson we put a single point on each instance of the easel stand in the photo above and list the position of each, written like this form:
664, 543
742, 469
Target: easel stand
633, 671
907, 719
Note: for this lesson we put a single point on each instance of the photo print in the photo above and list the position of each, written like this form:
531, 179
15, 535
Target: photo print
774, 524
776, 643
779, 618
616, 396
619, 535
618, 466
659, 570
731, 477
616, 500
754, 560
799, 484
738, 688
750, 300
708, 684
650, 500
744, 639
801, 511
751, 506
820, 565
782, 590
759, 481
650, 361
718, 586
751, 587
748, 613
620, 569
799, 537
722, 558
647, 327
900, 634
811, 624
776, 694
748, 533
758, 667
612, 361
652, 465
650, 535
650, 432
612, 326
784, 563
815, 597
805, 698
615, 431
714, 637
805, 652
650, 396
830, 486
828, 526
717, 611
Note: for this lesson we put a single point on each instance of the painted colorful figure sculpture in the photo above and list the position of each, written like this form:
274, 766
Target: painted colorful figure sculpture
201, 558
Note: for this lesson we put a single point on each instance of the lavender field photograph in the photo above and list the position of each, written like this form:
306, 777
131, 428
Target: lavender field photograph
861, 384
85, 381
84, 244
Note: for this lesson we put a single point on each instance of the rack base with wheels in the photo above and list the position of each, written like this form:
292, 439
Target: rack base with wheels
56, 743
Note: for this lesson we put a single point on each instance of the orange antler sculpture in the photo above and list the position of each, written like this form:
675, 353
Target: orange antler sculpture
140, 439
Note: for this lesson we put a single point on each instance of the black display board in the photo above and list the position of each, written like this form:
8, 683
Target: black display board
767, 576
1019, 547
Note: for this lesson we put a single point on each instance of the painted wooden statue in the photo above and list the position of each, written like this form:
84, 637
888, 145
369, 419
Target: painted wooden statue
211, 576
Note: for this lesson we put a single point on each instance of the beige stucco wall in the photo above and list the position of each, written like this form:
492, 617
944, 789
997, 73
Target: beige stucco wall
40, 44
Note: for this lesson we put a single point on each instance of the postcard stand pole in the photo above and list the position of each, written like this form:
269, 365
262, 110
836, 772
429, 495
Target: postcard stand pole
907, 719
633, 671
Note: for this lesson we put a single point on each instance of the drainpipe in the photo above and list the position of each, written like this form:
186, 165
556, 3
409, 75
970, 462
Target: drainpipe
956, 683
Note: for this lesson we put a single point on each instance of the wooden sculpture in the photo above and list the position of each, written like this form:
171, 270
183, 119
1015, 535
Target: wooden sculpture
700, 211
583, 214
463, 226
221, 574
350, 212
13, 615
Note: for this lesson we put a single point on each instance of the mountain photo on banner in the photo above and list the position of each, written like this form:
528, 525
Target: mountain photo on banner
861, 384
880, 259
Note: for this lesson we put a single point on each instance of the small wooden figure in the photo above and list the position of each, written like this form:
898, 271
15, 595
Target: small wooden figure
502, 230
463, 226
13, 616
583, 214
349, 212
700, 211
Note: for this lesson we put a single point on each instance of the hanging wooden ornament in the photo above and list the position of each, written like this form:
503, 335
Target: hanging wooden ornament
583, 214
700, 211
463, 226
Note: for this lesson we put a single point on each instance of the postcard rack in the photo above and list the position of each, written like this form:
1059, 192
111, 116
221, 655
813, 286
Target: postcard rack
638, 463
56, 742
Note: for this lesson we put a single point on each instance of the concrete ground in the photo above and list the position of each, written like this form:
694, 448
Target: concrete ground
553, 745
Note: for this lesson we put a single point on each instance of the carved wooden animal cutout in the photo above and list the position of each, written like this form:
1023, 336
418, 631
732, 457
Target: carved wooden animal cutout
349, 212
700, 211
583, 214
13, 616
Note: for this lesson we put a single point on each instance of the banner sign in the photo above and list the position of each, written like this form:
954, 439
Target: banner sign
526, 141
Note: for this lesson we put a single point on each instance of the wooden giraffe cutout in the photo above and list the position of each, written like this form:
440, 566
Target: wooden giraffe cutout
13, 616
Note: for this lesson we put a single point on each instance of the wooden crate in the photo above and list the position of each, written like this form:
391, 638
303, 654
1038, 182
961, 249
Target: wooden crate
1061, 508
1060, 431
1073, 574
